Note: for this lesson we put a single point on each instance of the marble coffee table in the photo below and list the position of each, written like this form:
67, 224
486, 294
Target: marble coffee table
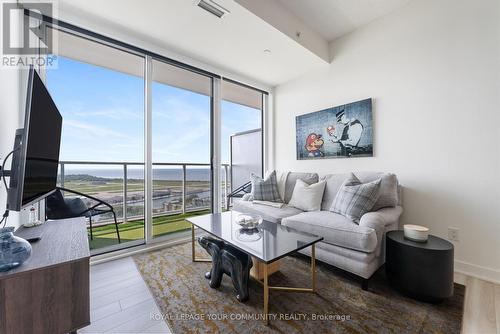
268, 244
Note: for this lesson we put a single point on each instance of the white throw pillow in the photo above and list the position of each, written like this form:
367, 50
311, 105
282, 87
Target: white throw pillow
307, 197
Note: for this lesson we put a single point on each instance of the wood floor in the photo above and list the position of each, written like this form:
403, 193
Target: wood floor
122, 303
482, 307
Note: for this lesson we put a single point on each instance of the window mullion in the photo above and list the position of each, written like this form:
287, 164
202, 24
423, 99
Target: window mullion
148, 151
216, 144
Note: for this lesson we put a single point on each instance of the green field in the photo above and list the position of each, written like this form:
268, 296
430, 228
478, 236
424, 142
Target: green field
106, 235
134, 230
116, 186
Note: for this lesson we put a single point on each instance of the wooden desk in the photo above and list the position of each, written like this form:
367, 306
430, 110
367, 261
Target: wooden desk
49, 293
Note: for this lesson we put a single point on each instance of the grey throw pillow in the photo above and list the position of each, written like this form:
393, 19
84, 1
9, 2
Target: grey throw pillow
265, 189
388, 192
354, 198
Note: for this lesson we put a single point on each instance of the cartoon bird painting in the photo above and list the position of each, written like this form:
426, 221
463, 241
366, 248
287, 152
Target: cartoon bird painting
314, 143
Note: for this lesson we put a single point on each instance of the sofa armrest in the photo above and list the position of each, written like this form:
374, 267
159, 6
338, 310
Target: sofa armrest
380, 220
383, 217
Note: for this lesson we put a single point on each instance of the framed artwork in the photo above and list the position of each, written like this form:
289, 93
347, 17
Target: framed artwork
344, 131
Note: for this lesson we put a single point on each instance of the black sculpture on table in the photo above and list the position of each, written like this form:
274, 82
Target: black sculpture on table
230, 261
214, 248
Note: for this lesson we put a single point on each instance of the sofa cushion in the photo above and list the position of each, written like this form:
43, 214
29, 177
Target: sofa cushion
346, 252
267, 212
335, 229
291, 180
335, 181
364, 268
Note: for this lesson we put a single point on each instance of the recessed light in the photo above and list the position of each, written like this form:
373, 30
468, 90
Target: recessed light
267, 51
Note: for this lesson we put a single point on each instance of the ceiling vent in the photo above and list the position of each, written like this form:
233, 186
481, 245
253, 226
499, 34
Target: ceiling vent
212, 7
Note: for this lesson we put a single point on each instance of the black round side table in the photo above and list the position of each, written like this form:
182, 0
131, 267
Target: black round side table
423, 271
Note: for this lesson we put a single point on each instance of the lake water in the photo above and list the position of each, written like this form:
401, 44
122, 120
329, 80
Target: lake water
173, 174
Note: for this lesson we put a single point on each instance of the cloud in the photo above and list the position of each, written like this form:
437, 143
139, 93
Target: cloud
181, 128
179, 110
93, 130
185, 145
112, 113
162, 155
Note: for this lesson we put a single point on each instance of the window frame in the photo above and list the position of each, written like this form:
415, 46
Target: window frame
215, 126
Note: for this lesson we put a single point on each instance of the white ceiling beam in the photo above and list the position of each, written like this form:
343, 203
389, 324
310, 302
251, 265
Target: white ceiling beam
281, 18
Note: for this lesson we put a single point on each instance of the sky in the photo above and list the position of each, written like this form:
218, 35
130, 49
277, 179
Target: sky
103, 117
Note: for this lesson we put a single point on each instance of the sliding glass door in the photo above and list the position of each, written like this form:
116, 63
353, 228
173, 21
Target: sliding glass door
181, 147
99, 92
144, 134
241, 136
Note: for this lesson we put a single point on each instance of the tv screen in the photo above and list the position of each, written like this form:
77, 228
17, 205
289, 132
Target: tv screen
36, 149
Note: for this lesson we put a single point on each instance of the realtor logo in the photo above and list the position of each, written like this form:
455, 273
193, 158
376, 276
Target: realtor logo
25, 38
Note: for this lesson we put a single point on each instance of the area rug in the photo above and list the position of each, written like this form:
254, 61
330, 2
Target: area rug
189, 305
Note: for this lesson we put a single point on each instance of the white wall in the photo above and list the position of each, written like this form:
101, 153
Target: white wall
10, 120
11, 117
432, 69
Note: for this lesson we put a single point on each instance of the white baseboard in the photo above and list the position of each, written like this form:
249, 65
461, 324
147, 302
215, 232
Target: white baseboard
473, 270
98, 259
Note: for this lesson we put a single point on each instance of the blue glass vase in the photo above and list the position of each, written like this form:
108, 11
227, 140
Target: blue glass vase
13, 250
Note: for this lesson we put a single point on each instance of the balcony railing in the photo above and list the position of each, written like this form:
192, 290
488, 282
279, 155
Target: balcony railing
178, 195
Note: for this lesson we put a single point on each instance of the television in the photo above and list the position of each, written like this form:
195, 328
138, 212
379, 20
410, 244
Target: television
35, 158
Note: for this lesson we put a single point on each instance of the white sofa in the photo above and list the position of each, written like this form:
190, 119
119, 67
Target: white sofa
356, 248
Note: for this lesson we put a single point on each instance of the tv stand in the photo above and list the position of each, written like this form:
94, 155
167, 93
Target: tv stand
49, 293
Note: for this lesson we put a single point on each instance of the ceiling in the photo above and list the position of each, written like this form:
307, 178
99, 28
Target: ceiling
335, 18
234, 44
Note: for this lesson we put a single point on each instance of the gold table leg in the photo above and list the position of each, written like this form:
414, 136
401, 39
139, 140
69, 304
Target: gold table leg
192, 243
266, 286
193, 251
266, 296
313, 267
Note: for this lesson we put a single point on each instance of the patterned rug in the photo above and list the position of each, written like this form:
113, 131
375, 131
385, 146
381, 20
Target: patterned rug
189, 305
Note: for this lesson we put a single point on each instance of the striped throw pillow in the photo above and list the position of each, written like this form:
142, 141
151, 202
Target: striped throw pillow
265, 189
354, 198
